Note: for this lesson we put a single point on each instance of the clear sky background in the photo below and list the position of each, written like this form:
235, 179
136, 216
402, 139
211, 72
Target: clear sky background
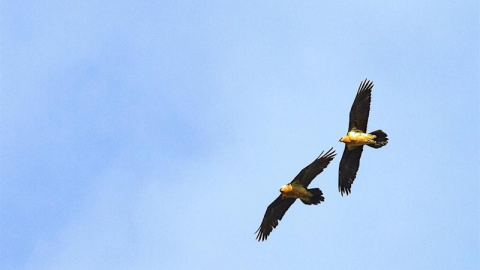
154, 134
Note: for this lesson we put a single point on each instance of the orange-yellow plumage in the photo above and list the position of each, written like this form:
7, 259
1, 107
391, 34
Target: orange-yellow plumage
356, 138
295, 191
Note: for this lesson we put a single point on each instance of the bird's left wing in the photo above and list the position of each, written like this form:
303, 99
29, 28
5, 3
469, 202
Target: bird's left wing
274, 213
361, 107
308, 173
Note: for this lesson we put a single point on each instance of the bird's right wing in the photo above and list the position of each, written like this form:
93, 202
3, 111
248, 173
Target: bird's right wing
348, 168
274, 213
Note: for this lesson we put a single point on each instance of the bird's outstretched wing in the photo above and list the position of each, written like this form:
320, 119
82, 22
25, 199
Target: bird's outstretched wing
361, 107
308, 173
274, 213
348, 168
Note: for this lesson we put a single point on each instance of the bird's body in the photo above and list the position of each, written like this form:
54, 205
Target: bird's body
296, 189
357, 137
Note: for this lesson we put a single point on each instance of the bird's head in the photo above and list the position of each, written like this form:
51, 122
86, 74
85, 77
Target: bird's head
286, 188
344, 139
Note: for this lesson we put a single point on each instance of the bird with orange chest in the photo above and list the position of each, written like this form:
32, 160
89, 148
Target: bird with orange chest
357, 137
296, 189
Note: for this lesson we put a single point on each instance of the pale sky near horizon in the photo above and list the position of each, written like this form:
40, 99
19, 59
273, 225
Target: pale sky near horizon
154, 134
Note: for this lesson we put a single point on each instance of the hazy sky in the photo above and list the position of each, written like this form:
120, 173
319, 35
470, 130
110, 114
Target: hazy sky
154, 134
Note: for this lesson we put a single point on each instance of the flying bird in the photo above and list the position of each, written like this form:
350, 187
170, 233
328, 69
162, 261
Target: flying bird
357, 137
297, 189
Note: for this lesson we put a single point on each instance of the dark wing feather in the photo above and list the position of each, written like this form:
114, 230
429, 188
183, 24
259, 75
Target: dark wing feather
348, 168
361, 107
308, 173
274, 213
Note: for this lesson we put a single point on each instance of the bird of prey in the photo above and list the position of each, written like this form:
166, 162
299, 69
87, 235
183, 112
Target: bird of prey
297, 189
357, 137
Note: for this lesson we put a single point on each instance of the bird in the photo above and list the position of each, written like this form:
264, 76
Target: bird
357, 137
296, 189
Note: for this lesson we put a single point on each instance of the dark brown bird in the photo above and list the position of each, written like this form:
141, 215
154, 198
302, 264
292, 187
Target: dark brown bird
297, 189
357, 137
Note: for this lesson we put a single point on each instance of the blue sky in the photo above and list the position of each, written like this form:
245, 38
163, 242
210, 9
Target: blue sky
154, 134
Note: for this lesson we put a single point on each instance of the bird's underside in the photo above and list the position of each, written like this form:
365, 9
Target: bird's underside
296, 189
357, 137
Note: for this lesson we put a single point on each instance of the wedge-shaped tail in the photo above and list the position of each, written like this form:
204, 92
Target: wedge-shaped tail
380, 140
317, 196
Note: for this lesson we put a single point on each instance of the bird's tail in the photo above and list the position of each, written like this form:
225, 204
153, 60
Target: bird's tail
317, 197
380, 140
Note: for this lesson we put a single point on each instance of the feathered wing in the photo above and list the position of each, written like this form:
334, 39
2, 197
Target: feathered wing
361, 107
274, 213
348, 168
308, 173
